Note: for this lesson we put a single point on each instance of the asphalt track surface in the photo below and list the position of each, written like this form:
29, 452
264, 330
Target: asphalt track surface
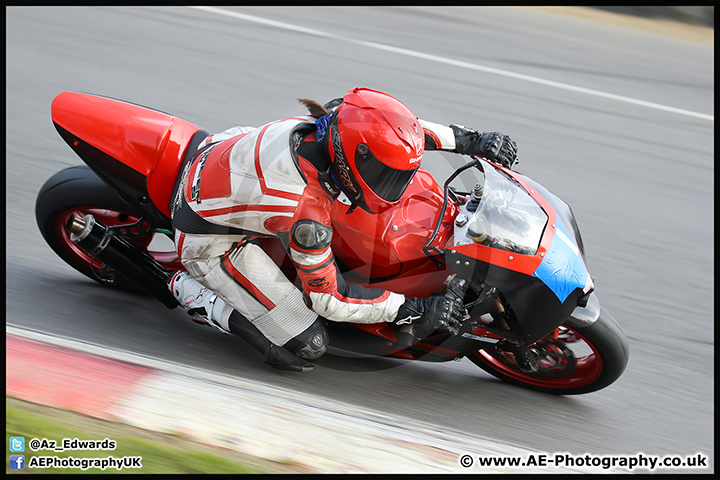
618, 122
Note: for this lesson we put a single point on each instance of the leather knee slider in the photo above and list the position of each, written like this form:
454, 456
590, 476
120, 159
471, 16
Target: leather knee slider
312, 343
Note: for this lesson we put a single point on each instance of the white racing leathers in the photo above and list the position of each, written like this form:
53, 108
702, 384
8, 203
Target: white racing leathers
273, 180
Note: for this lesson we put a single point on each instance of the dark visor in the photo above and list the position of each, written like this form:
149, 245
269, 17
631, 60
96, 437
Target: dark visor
387, 183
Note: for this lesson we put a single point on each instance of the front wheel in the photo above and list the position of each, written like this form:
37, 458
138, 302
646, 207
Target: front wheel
576, 358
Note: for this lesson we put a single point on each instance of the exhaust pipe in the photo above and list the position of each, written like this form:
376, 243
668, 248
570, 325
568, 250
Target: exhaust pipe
141, 269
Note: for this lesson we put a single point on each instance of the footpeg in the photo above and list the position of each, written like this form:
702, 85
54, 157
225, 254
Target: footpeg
525, 357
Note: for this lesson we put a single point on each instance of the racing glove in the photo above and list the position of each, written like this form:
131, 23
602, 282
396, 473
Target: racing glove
419, 317
493, 145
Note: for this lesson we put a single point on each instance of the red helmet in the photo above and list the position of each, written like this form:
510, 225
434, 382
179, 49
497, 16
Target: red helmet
376, 144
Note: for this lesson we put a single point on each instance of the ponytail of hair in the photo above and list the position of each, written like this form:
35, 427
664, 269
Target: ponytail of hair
315, 109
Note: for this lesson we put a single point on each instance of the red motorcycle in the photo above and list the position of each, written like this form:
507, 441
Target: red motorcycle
513, 249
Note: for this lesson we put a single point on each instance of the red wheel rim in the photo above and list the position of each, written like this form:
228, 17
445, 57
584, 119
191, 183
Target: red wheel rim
168, 258
567, 360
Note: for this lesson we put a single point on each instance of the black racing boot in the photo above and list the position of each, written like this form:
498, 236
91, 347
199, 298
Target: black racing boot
275, 356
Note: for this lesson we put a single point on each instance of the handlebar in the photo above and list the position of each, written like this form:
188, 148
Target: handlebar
427, 249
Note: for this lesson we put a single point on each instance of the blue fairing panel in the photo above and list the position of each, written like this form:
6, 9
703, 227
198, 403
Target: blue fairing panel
563, 268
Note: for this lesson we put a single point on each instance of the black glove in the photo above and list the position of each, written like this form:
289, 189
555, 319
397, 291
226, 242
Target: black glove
436, 312
493, 145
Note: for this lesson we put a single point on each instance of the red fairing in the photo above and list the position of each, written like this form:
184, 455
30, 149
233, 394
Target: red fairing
374, 248
148, 141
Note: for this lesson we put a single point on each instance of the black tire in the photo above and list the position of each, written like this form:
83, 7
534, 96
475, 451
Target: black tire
77, 190
570, 374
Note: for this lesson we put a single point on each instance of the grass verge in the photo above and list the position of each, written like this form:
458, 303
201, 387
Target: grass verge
161, 453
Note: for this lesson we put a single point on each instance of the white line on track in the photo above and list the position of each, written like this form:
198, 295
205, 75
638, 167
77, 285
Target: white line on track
456, 63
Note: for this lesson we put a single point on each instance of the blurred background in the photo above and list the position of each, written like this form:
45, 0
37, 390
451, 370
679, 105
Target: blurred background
694, 15
617, 121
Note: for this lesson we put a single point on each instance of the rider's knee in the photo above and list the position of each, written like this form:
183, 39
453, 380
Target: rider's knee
312, 343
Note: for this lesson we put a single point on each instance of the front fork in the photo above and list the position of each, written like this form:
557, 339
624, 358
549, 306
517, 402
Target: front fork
527, 358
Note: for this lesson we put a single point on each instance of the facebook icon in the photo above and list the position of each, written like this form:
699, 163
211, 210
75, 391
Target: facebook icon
17, 462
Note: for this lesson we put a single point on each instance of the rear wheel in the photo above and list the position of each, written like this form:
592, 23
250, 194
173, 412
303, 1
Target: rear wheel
78, 191
576, 358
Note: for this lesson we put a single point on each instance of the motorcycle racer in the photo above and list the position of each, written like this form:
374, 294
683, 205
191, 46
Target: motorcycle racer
280, 180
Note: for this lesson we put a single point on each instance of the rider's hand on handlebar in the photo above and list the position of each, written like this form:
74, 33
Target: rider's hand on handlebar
445, 313
493, 145
499, 148
436, 312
